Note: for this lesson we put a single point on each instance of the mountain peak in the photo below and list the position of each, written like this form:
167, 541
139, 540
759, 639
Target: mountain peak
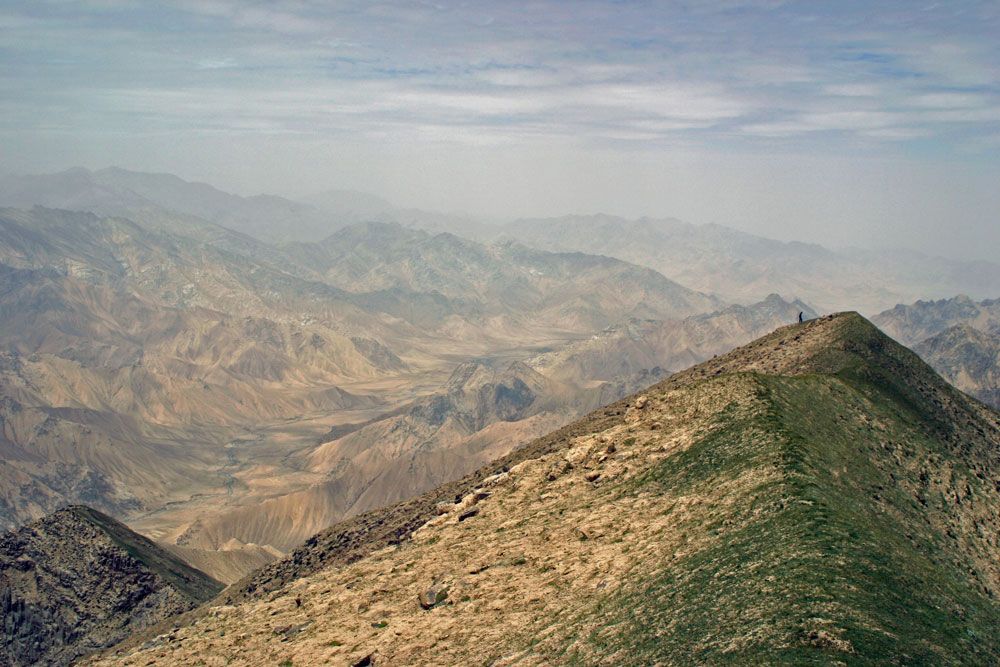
794, 349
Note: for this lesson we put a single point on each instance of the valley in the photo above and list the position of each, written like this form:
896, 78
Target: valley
230, 396
182, 376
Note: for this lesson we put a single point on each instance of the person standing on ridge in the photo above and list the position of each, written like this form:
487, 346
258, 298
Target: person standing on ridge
800, 317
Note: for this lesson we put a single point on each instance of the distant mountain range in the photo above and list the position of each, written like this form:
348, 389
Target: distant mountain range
571, 290
959, 337
910, 324
136, 195
742, 267
733, 265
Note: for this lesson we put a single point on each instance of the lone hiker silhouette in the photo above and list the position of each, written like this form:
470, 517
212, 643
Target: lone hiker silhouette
800, 316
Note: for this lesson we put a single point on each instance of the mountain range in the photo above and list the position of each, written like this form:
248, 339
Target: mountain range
733, 265
137, 195
164, 377
741, 267
818, 496
959, 337
231, 375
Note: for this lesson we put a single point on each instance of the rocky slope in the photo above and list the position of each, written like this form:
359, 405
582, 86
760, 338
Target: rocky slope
78, 581
819, 496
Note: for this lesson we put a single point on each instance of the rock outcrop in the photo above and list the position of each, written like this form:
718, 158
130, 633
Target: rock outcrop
78, 581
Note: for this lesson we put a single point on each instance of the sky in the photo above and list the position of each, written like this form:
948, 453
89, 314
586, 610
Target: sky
844, 123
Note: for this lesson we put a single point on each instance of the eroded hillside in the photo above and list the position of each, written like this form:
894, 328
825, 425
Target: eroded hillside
481, 413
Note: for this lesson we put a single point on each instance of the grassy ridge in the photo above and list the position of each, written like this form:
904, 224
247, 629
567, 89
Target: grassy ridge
843, 556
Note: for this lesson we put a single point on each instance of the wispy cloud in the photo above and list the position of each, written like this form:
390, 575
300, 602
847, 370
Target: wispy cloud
599, 70
217, 63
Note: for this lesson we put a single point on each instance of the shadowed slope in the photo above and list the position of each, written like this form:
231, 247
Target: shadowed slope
78, 581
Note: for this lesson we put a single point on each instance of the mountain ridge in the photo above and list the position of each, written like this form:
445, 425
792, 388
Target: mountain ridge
743, 267
758, 356
818, 495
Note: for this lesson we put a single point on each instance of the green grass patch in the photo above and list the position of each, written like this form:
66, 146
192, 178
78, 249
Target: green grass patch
828, 559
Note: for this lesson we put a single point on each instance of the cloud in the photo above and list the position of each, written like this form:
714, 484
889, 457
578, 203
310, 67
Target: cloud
950, 100
852, 89
216, 63
709, 74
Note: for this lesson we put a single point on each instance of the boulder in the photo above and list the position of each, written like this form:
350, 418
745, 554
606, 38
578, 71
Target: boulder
433, 596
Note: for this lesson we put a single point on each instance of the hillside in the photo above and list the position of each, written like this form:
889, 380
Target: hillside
228, 564
818, 496
78, 581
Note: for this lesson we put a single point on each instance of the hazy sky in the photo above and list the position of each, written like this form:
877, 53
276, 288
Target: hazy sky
835, 122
